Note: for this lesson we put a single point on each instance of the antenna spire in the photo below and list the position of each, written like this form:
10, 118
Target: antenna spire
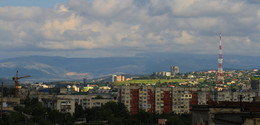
220, 63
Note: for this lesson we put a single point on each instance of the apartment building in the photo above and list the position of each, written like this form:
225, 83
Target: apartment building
226, 113
175, 70
162, 73
183, 98
66, 103
120, 78
163, 99
9, 103
255, 81
247, 96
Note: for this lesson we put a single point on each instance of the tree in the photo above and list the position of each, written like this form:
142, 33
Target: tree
79, 112
174, 120
35, 113
118, 109
16, 118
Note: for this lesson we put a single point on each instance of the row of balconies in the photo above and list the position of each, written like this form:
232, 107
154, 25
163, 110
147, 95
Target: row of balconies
65, 103
144, 106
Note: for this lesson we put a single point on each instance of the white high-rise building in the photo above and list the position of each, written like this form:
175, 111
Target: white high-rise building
114, 78
175, 70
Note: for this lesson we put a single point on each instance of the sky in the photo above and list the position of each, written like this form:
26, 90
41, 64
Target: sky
126, 28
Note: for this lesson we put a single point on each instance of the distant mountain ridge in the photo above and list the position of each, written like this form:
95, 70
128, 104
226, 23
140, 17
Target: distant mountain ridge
6, 82
61, 68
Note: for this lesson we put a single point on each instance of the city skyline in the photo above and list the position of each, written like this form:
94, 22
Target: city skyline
114, 28
130, 62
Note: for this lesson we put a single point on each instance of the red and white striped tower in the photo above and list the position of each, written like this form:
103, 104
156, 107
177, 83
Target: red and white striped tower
220, 63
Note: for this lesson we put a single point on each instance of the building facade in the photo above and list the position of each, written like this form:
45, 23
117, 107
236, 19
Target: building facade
162, 73
161, 99
175, 70
247, 96
255, 81
226, 113
66, 103
114, 78
120, 78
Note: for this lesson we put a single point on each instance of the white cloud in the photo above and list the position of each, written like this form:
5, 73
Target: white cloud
126, 27
19, 13
185, 38
54, 28
62, 8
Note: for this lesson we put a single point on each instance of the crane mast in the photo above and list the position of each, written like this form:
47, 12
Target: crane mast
16, 78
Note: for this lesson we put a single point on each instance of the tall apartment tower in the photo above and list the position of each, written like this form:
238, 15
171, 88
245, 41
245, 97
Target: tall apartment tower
84, 80
163, 99
120, 78
175, 70
114, 78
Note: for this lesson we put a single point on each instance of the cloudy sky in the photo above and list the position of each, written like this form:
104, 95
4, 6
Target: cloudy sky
107, 28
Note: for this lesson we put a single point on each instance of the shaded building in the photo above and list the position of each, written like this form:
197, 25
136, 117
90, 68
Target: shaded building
66, 103
9, 103
255, 81
226, 113
227, 95
84, 80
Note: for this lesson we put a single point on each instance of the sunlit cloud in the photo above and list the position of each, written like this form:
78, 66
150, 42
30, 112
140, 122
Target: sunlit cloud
125, 28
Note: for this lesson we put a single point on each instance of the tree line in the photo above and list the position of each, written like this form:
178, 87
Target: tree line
111, 113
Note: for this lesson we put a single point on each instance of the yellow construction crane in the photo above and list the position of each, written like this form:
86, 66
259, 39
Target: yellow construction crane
16, 78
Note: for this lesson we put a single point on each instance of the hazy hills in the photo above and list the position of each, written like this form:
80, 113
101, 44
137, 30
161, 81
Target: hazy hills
6, 82
60, 68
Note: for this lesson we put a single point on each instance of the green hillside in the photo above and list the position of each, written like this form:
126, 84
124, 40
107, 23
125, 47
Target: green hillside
151, 81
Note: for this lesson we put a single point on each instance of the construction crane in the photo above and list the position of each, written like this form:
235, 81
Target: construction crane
16, 78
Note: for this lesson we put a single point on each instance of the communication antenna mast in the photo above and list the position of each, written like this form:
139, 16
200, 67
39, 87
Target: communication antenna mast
220, 63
